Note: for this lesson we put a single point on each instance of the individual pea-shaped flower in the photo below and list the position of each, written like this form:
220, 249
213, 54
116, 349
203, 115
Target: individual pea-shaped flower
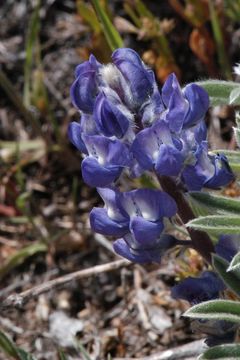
211, 171
111, 117
85, 87
228, 246
195, 290
140, 79
155, 148
137, 216
184, 108
105, 161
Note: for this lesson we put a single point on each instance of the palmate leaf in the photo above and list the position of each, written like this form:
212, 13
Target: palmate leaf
231, 279
217, 224
218, 90
223, 352
216, 204
216, 310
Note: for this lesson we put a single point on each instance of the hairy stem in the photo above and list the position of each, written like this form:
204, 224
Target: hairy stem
201, 242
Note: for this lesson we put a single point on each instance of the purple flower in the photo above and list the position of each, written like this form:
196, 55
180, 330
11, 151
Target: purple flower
195, 290
211, 171
111, 118
140, 79
107, 158
136, 127
85, 87
124, 247
137, 216
227, 246
155, 148
183, 108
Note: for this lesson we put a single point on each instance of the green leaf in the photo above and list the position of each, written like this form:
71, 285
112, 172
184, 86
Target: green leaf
22, 200
12, 350
218, 90
223, 352
62, 355
7, 346
235, 263
234, 97
32, 35
217, 224
218, 204
21, 255
231, 279
83, 351
112, 36
216, 310
198, 207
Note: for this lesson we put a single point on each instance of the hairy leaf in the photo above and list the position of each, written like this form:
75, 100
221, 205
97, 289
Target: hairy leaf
223, 352
234, 98
217, 224
218, 90
216, 310
231, 279
218, 204
235, 263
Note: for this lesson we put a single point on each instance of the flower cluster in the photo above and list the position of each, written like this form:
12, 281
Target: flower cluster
128, 125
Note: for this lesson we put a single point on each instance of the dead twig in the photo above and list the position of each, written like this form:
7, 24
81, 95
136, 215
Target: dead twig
18, 300
183, 352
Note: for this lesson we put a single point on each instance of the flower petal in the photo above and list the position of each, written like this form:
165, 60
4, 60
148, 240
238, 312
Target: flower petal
103, 224
227, 246
109, 197
169, 161
97, 175
196, 290
133, 69
144, 147
110, 120
75, 136
145, 232
223, 174
151, 204
198, 100
122, 248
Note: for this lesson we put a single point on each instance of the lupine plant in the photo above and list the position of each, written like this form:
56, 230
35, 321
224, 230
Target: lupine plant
130, 129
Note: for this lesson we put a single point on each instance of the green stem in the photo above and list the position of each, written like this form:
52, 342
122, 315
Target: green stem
217, 33
112, 36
